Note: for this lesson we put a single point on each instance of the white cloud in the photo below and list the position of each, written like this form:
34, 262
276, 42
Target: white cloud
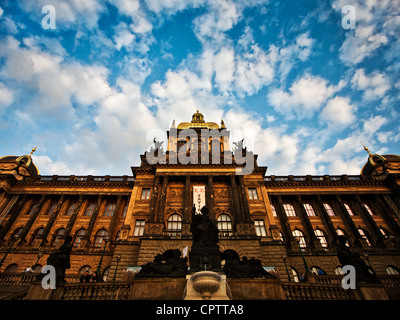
6, 96
339, 110
306, 95
123, 37
373, 124
290, 54
374, 87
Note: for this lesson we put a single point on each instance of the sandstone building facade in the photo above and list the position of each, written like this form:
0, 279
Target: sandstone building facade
118, 223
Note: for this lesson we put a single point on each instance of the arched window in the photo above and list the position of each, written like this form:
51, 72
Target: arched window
392, 270
364, 235
341, 232
299, 236
16, 232
85, 268
224, 223
79, 235
317, 270
36, 235
58, 235
174, 224
11, 268
321, 236
338, 271
295, 275
99, 237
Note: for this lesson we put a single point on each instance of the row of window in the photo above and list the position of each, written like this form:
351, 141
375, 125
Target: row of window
59, 235
290, 212
108, 211
391, 270
252, 192
224, 224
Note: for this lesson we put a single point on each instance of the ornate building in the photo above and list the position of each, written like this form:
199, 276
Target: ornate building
290, 223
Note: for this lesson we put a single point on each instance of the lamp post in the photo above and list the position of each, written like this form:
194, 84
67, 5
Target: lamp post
101, 258
287, 271
116, 268
366, 256
39, 255
302, 256
16, 237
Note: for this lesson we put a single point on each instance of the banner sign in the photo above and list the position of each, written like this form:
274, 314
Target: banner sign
199, 197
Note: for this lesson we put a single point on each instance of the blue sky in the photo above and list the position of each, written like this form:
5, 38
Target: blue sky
94, 91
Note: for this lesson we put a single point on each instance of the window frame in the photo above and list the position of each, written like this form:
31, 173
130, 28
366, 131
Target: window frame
252, 192
259, 226
225, 224
289, 210
138, 230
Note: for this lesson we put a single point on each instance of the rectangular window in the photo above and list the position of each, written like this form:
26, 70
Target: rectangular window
252, 193
52, 207
309, 209
139, 228
34, 208
348, 209
90, 209
273, 210
260, 228
368, 209
109, 212
289, 210
145, 194
329, 210
71, 209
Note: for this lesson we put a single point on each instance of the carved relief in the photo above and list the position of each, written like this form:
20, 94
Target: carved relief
221, 193
175, 193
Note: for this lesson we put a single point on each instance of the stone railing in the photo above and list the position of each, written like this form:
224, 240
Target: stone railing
17, 279
312, 291
25, 278
390, 281
97, 291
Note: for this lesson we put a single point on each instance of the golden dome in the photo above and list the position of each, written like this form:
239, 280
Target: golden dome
197, 122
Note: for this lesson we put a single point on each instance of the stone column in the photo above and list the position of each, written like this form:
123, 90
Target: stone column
305, 221
236, 204
354, 235
244, 200
186, 199
73, 217
375, 233
326, 220
33, 217
93, 220
7, 207
286, 229
52, 218
153, 201
210, 196
163, 198
114, 217
15, 212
